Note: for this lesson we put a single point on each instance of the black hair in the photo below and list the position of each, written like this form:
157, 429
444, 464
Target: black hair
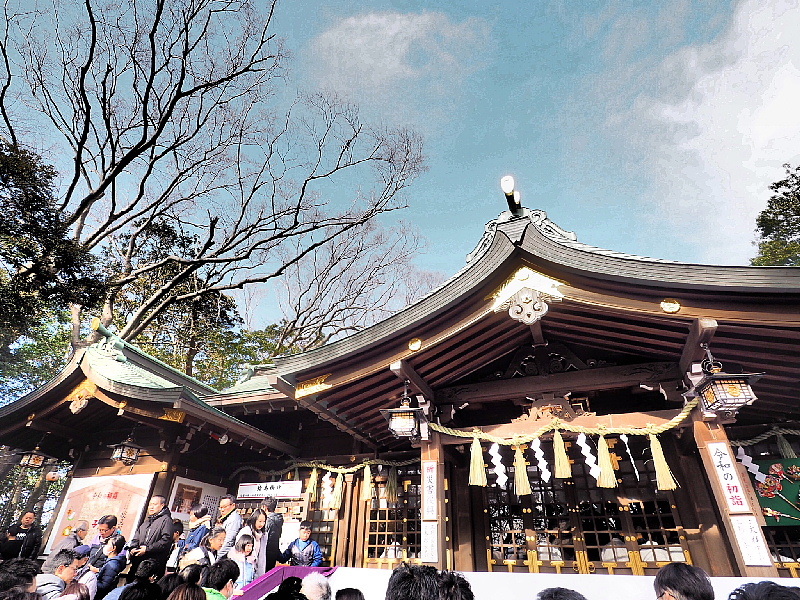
63, 558
177, 525
559, 593
242, 541
221, 572
453, 586
141, 590
686, 582
168, 583
198, 510
251, 520
109, 520
305, 524
270, 503
764, 590
17, 572
413, 582
19, 593
212, 534
75, 587
192, 573
188, 591
349, 594
162, 498
146, 569
118, 541
229, 497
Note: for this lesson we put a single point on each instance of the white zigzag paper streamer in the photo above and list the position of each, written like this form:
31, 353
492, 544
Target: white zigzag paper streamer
499, 468
624, 438
591, 461
536, 446
747, 461
327, 489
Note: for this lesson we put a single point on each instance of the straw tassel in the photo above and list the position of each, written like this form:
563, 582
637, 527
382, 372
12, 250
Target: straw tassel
664, 478
338, 492
563, 469
784, 447
607, 477
313, 481
366, 490
391, 485
477, 471
521, 483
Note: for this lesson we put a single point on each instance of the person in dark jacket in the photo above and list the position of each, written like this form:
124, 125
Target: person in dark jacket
115, 563
153, 538
272, 533
24, 539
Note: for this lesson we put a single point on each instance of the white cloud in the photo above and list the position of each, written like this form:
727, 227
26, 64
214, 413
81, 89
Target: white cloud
402, 59
725, 119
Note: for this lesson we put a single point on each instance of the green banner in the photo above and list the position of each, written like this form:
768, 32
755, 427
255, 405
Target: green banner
779, 491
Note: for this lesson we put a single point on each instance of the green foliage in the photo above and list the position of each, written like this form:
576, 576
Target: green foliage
37, 357
779, 223
41, 268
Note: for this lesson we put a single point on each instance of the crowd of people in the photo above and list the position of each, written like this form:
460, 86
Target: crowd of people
212, 560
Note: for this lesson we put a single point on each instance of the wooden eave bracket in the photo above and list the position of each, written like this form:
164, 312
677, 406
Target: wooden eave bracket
405, 372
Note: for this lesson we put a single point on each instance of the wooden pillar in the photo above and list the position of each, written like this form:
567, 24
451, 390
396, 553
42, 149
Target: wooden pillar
434, 508
734, 496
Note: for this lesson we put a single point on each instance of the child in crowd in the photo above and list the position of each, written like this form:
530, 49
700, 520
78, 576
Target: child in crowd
304, 551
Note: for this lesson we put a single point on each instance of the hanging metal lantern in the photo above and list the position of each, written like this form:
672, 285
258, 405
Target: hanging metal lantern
33, 459
406, 421
126, 452
722, 393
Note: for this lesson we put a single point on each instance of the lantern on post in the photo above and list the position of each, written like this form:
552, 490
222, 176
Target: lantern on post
407, 421
722, 393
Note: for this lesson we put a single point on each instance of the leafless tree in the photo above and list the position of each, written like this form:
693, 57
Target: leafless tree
172, 113
341, 288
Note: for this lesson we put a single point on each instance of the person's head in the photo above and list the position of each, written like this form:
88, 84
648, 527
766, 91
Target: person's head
156, 505
227, 504
64, 565
222, 576
305, 530
27, 519
349, 594
197, 512
290, 587
413, 582
114, 545
559, 593
168, 583
81, 529
244, 544
78, 589
107, 526
192, 573
187, 591
141, 590
19, 573
453, 586
177, 529
147, 571
269, 504
316, 587
257, 520
764, 590
679, 581
214, 539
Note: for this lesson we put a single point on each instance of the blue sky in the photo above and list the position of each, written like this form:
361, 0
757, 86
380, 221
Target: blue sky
653, 129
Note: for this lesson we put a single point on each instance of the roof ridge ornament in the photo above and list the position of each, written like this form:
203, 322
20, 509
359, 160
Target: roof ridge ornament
525, 295
518, 212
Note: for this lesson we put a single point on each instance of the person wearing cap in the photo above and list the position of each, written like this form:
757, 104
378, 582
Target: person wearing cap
70, 542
